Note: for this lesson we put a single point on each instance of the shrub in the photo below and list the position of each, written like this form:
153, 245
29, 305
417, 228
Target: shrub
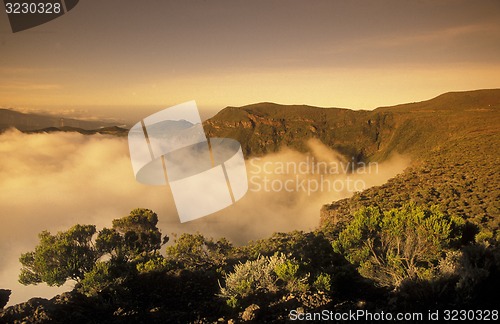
323, 282
194, 251
264, 275
288, 273
156, 263
57, 258
97, 279
399, 244
478, 270
73, 254
253, 277
484, 237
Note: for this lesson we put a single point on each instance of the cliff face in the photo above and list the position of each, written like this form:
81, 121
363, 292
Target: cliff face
414, 129
265, 128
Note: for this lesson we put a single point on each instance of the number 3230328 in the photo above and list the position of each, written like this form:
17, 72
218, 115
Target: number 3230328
32, 8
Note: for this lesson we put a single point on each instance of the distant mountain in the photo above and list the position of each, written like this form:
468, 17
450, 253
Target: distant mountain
112, 130
30, 122
169, 125
175, 130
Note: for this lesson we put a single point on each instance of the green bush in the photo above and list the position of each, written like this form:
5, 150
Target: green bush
323, 282
399, 244
57, 258
194, 251
288, 272
156, 263
252, 277
484, 237
271, 274
78, 253
100, 277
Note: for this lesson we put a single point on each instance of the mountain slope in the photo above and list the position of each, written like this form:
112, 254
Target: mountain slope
415, 128
453, 140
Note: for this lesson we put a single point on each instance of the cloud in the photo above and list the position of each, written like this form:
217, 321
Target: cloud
25, 85
23, 70
53, 181
434, 36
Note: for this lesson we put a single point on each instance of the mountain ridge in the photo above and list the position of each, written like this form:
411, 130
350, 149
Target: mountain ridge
366, 135
453, 99
33, 121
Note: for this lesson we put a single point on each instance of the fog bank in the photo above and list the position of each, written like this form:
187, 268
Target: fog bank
53, 181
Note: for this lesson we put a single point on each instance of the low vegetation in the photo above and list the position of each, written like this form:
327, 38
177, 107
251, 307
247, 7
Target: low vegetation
409, 257
399, 244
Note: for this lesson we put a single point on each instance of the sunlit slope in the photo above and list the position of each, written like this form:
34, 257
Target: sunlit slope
415, 128
453, 141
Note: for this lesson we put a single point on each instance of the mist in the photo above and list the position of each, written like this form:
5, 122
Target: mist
54, 181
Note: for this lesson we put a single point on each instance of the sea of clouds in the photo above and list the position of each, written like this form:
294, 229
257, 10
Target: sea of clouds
53, 181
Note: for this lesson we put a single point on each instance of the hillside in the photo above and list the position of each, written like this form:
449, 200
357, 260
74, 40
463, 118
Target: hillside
453, 140
457, 161
414, 129
461, 175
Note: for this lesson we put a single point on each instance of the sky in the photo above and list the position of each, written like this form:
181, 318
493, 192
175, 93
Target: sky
124, 58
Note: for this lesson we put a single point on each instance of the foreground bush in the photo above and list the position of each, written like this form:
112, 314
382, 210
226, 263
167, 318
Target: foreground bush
261, 276
399, 244
78, 254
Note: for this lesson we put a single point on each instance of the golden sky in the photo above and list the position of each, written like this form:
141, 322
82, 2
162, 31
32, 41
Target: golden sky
118, 54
